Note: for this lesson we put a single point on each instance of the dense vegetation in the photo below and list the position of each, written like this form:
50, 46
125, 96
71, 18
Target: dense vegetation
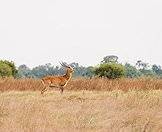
49, 69
7, 69
139, 69
114, 69
110, 70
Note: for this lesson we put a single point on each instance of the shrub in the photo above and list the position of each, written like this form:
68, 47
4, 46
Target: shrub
110, 70
13, 67
5, 70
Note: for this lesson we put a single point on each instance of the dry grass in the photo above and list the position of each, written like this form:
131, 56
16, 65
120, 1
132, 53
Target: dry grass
135, 111
113, 105
85, 84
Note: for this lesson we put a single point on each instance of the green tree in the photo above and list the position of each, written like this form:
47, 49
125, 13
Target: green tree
142, 65
157, 69
144, 68
24, 71
39, 71
5, 69
131, 71
90, 71
12, 65
147, 72
110, 70
110, 59
81, 70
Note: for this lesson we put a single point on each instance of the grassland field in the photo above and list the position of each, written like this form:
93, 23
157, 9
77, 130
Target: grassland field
87, 105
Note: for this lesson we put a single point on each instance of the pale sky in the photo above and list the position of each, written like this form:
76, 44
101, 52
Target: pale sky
35, 32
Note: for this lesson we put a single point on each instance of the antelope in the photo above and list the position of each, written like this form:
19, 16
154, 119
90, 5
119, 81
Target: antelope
57, 81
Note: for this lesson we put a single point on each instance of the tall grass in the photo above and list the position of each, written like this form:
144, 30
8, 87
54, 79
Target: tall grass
85, 84
87, 105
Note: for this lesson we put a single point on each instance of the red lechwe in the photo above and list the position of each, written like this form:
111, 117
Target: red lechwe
57, 81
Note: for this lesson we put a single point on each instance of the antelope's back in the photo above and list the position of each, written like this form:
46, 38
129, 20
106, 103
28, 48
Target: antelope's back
57, 80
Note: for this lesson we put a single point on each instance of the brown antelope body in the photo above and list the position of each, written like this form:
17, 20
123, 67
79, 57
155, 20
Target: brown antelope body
57, 81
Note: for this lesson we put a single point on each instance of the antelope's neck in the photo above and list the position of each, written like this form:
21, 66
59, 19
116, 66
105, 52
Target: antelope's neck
68, 75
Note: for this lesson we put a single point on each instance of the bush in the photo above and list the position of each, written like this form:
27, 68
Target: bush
13, 67
110, 70
5, 70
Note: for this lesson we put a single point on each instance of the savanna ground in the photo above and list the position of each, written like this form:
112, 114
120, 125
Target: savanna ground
87, 105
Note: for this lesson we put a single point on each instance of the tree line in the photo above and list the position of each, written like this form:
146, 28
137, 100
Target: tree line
48, 69
108, 67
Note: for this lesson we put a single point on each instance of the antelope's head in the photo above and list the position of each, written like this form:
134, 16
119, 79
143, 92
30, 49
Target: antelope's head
69, 68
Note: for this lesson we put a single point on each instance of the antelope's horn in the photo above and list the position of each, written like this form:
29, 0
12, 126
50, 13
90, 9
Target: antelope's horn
64, 64
61, 64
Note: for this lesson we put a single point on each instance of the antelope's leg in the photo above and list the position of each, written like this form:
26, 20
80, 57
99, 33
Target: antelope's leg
43, 90
45, 86
61, 89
